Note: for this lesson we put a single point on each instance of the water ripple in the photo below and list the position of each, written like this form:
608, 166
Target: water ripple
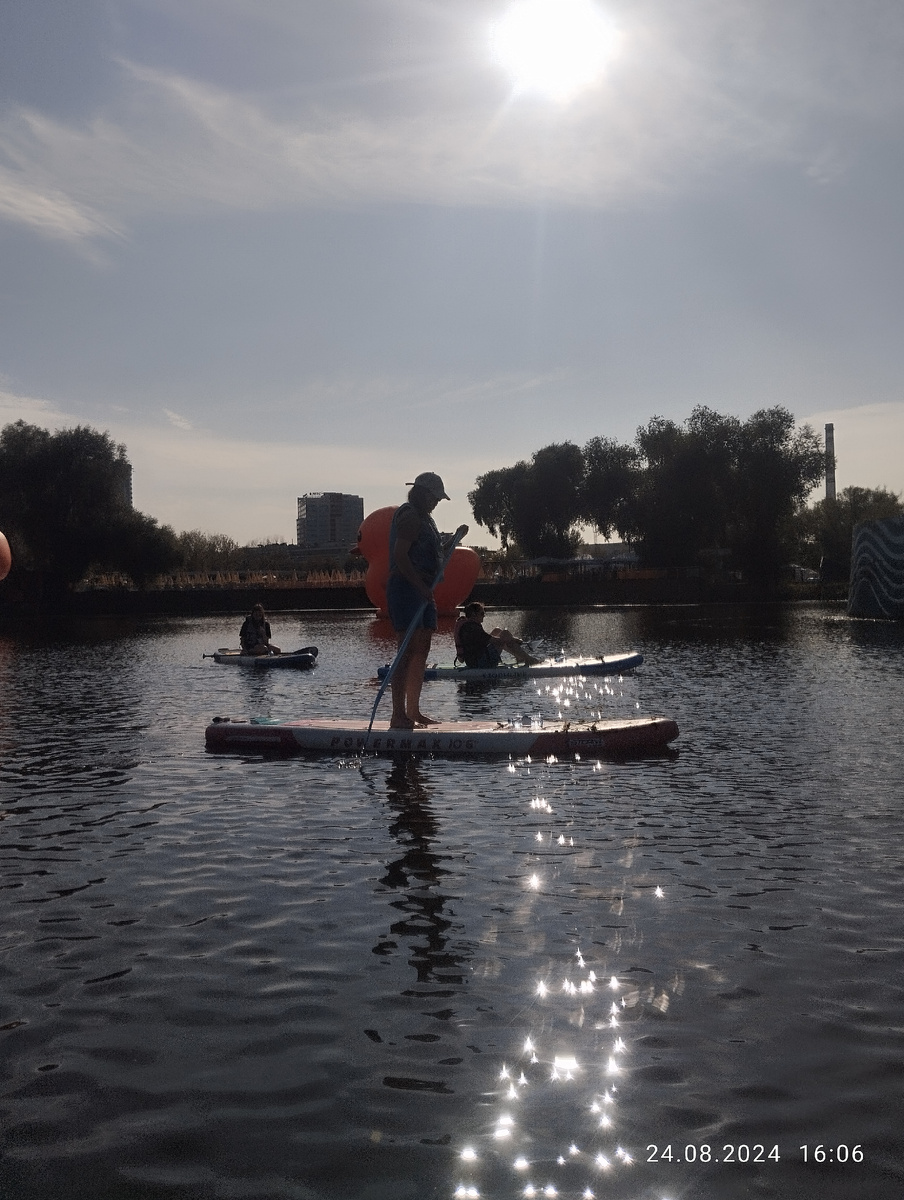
233, 977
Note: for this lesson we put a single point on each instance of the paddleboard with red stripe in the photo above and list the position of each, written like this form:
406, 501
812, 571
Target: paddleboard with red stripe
460, 739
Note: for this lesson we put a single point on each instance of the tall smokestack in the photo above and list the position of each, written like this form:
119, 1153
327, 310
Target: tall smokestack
830, 462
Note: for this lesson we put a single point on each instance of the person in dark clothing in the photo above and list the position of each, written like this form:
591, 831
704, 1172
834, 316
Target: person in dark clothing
416, 553
255, 634
477, 648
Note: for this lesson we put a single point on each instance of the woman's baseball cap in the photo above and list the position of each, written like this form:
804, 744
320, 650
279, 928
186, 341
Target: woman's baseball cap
430, 482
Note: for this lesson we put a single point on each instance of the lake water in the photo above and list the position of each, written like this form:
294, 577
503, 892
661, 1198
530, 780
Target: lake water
234, 978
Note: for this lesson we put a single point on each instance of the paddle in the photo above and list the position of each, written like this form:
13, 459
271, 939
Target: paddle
460, 533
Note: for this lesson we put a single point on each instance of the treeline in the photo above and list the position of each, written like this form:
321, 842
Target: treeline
66, 511
713, 493
825, 531
65, 508
217, 552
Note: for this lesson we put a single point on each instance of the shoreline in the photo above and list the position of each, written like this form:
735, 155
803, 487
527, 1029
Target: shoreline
523, 594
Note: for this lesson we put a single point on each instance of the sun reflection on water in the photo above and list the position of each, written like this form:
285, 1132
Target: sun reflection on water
559, 1095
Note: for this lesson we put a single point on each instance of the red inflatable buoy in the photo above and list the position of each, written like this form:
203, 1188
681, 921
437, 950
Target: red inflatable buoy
6, 558
373, 544
460, 576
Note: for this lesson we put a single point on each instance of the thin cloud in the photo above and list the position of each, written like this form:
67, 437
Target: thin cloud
497, 390
49, 211
32, 410
176, 419
249, 489
726, 84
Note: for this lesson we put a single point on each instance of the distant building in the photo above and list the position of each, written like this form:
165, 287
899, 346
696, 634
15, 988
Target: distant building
328, 521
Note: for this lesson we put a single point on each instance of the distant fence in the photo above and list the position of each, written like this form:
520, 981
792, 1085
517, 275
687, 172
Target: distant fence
207, 580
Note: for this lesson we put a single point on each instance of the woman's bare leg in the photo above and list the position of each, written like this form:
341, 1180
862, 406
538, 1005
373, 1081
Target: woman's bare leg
398, 685
420, 650
407, 681
507, 641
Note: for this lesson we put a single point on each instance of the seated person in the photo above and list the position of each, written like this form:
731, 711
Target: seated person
477, 648
255, 634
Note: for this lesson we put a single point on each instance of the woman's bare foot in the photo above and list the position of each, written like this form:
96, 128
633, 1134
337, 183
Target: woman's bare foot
420, 719
401, 723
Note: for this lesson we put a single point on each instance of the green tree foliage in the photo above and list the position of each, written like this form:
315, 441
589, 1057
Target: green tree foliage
556, 493
64, 503
682, 499
496, 502
717, 488
140, 547
825, 531
713, 488
776, 468
208, 551
611, 479
535, 504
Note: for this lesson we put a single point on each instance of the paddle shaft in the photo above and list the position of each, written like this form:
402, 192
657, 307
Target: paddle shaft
460, 533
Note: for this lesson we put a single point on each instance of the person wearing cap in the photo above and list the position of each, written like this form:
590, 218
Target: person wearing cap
478, 648
415, 559
255, 634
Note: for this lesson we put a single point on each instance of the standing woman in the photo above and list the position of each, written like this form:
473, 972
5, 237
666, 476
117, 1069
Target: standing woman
415, 559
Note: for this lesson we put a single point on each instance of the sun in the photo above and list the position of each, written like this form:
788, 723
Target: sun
554, 47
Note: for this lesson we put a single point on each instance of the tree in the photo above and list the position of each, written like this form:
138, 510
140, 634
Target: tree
713, 487
681, 505
495, 502
64, 499
776, 468
826, 530
207, 551
536, 504
719, 485
556, 480
140, 547
611, 478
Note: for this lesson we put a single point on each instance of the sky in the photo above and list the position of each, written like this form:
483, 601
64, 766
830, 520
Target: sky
289, 246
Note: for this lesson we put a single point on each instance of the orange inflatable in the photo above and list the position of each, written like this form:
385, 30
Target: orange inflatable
460, 576
6, 558
373, 544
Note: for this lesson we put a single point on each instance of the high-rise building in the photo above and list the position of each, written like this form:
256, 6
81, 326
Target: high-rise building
328, 521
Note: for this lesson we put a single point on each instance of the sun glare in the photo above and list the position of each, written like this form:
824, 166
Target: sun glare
554, 47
